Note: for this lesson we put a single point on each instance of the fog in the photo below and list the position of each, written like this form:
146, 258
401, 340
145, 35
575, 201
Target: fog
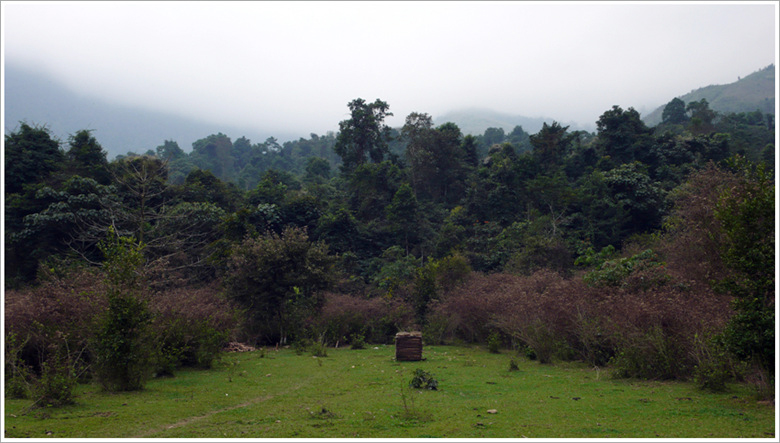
294, 66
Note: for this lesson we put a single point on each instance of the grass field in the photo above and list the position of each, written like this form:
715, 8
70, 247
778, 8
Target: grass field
365, 393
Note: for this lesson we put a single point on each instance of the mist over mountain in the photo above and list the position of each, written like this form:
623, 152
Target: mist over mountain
38, 99
754, 92
475, 121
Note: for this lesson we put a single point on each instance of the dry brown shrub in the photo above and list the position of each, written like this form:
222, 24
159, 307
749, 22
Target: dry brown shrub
192, 324
566, 318
693, 241
58, 312
375, 318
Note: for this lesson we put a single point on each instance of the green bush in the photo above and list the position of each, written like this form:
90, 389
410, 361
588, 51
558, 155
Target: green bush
617, 272
494, 343
17, 372
714, 364
423, 380
318, 349
301, 345
122, 347
650, 355
56, 384
358, 341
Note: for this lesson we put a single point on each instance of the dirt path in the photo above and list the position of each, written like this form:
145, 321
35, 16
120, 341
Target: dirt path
193, 419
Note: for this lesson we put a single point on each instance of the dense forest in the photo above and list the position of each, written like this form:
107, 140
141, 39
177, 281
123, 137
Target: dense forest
647, 249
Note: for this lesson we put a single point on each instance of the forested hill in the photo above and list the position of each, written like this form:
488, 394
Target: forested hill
37, 99
475, 121
754, 92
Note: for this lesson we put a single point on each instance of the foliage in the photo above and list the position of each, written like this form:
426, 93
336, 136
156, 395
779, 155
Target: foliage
17, 372
122, 346
31, 156
192, 325
494, 343
423, 380
747, 215
364, 135
56, 384
616, 272
275, 278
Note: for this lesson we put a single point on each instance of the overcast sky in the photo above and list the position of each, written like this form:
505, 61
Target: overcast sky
296, 65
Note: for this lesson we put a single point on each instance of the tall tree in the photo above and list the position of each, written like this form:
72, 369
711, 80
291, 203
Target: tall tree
402, 213
31, 154
364, 135
674, 112
87, 158
551, 144
621, 134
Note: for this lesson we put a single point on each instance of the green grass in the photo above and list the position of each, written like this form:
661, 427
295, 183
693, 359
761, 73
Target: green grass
364, 393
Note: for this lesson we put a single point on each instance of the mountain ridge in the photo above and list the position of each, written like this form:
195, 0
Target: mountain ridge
37, 99
753, 92
476, 120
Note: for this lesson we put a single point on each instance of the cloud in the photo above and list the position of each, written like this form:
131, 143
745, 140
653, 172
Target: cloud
296, 65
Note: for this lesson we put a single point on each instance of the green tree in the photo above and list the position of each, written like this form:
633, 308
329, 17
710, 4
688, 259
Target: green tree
276, 279
622, 135
701, 116
31, 155
747, 216
674, 112
493, 136
438, 162
122, 347
550, 145
86, 157
215, 153
364, 136
402, 213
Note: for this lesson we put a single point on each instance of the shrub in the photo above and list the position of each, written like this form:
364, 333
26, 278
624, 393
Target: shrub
423, 380
357, 341
55, 385
301, 345
494, 343
191, 324
318, 349
123, 346
376, 318
58, 312
714, 366
17, 372
650, 354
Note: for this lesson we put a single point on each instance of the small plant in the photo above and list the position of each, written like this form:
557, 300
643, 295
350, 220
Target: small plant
714, 366
358, 341
17, 373
513, 365
55, 385
423, 380
494, 343
319, 349
411, 412
300, 346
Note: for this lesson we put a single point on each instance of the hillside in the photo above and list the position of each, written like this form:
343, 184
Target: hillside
474, 121
37, 99
756, 91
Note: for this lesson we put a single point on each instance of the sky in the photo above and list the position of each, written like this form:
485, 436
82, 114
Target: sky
294, 66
